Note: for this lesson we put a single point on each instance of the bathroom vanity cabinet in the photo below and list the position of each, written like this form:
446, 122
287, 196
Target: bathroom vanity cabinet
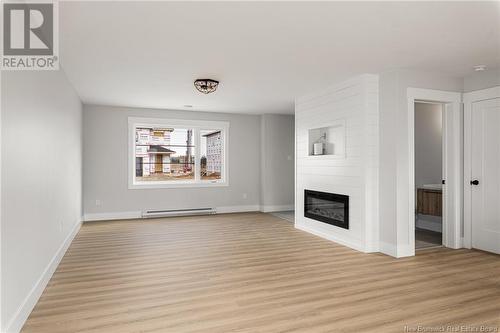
429, 202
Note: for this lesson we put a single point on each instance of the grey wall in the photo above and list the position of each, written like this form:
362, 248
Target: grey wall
277, 162
105, 164
388, 113
394, 170
41, 178
428, 144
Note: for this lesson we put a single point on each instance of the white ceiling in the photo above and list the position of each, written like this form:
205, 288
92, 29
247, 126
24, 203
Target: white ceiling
265, 54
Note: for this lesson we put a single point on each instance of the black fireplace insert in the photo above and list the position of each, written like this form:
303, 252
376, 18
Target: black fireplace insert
330, 208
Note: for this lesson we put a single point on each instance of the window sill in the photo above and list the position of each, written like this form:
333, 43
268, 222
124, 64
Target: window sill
144, 186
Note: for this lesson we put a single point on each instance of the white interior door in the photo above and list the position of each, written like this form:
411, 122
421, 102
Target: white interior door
485, 172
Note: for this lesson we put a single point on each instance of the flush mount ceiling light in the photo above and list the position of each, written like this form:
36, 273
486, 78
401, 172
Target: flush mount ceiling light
480, 68
206, 86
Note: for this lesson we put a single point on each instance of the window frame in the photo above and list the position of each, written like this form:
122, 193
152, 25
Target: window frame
196, 125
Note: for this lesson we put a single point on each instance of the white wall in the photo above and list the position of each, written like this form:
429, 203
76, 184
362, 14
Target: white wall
41, 184
394, 152
428, 144
277, 162
105, 166
356, 103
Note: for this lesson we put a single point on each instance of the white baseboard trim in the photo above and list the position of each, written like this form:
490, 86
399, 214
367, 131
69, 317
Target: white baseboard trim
349, 243
389, 249
276, 208
372, 248
405, 251
112, 216
395, 251
138, 214
15, 324
237, 209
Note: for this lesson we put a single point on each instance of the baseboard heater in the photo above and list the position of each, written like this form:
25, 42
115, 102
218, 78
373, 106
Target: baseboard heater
177, 212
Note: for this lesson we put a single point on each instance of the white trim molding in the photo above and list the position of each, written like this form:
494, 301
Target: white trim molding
16, 323
237, 209
354, 244
389, 249
276, 208
131, 215
112, 216
452, 160
469, 98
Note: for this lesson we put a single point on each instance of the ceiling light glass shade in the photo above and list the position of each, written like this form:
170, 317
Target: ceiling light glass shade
206, 86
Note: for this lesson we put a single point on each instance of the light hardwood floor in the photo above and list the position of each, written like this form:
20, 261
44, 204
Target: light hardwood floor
254, 272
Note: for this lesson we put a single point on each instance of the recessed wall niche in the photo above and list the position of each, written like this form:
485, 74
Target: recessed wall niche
331, 138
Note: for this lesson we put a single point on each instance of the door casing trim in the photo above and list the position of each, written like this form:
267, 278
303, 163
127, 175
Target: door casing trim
452, 160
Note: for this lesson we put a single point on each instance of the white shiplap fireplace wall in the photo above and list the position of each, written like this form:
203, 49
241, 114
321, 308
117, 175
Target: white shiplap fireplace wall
353, 103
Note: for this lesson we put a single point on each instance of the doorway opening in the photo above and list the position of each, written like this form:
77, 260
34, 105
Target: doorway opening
451, 172
429, 173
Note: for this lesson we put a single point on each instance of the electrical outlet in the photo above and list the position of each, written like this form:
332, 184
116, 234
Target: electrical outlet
245, 195
289, 157
98, 202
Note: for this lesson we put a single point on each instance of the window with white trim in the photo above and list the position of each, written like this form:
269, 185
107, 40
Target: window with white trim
177, 153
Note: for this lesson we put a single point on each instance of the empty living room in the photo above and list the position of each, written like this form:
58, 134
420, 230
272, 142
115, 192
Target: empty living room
249, 166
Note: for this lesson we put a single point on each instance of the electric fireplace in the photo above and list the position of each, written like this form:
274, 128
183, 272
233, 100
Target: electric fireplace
326, 207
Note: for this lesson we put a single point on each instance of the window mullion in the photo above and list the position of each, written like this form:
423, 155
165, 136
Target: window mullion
197, 148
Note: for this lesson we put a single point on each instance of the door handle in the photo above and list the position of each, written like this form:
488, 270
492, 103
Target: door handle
474, 182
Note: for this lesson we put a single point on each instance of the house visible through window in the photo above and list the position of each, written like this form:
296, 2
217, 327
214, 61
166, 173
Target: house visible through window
164, 154
168, 153
211, 154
